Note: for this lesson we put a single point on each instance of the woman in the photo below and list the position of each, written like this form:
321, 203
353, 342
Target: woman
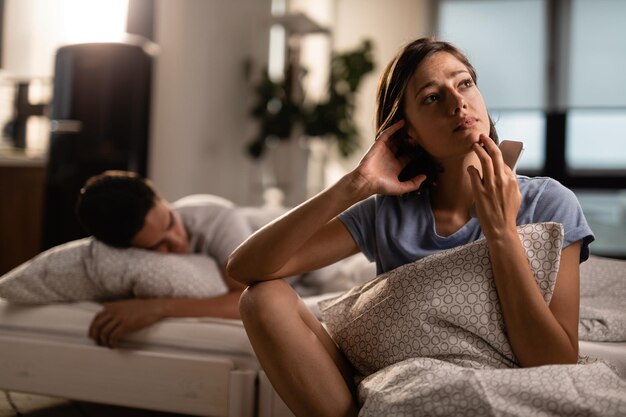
431, 118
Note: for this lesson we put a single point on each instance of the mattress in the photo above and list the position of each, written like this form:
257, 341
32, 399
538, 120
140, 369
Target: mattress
612, 352
68, 322
203, 366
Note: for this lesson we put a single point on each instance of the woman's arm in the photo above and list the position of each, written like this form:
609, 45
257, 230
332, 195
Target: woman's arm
539, 334
306, 238
310, 236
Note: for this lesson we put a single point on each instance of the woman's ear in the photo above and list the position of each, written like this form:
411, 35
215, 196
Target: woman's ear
410, 133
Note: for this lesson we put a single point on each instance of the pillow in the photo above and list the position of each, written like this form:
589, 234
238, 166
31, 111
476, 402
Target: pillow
258, 217
87, 269
339, 276
444, 306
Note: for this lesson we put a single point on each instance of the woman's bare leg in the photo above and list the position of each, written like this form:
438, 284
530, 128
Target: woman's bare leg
300, 359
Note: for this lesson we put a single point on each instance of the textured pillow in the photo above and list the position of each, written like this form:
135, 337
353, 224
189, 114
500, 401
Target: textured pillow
87, 269
444, 307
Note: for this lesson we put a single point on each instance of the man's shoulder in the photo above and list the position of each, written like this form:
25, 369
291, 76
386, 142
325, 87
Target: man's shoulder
204, 211
202, 200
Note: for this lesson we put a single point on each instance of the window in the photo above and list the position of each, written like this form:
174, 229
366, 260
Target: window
596, 121
508, 53
552, 74
509, 57
596, 139
597, 54
529, 126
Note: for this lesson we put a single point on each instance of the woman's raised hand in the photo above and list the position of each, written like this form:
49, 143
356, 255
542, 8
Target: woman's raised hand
496, 194
379, 169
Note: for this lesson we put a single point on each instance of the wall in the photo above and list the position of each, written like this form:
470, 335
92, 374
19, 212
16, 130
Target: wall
201, 102
30, 39
389, 25
201, 99
32, 32
201, 122
34, 29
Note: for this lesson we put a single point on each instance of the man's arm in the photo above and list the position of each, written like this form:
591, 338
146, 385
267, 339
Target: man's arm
119, 318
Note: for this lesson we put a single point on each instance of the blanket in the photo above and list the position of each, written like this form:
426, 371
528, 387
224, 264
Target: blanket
428, 338
602, 300
424, 386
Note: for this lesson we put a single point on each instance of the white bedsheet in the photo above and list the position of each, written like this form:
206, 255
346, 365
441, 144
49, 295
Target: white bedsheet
612, 352
70, 322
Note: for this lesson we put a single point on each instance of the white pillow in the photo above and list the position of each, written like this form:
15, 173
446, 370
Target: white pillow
444, 306
341, 276
87, 269
258, 217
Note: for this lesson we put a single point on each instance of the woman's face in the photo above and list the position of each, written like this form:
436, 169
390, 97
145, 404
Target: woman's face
444, 109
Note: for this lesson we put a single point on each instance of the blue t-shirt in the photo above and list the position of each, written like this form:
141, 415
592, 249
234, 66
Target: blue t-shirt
394, 231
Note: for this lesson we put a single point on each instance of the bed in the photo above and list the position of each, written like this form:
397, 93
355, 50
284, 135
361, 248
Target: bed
203, 367
200, 367
429, 337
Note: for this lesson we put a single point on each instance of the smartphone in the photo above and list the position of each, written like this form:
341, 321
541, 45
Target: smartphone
512, 151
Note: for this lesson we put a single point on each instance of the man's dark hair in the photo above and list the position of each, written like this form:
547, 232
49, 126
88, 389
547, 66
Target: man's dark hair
112, 206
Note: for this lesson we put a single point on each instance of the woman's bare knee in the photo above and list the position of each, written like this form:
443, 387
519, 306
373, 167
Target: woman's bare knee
261, 301
283, 331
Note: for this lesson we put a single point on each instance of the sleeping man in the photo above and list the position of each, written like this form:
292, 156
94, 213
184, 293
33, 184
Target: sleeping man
123, 210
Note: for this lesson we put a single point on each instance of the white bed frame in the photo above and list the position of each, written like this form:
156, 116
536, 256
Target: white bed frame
209, 386
188, 382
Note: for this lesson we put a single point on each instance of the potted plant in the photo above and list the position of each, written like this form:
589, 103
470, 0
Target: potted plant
279, 111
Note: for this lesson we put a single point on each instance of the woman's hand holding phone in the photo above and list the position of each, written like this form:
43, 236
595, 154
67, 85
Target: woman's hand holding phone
379, 168
497, 198
511, 152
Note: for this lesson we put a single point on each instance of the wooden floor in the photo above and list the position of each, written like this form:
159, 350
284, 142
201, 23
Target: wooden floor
18, 404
